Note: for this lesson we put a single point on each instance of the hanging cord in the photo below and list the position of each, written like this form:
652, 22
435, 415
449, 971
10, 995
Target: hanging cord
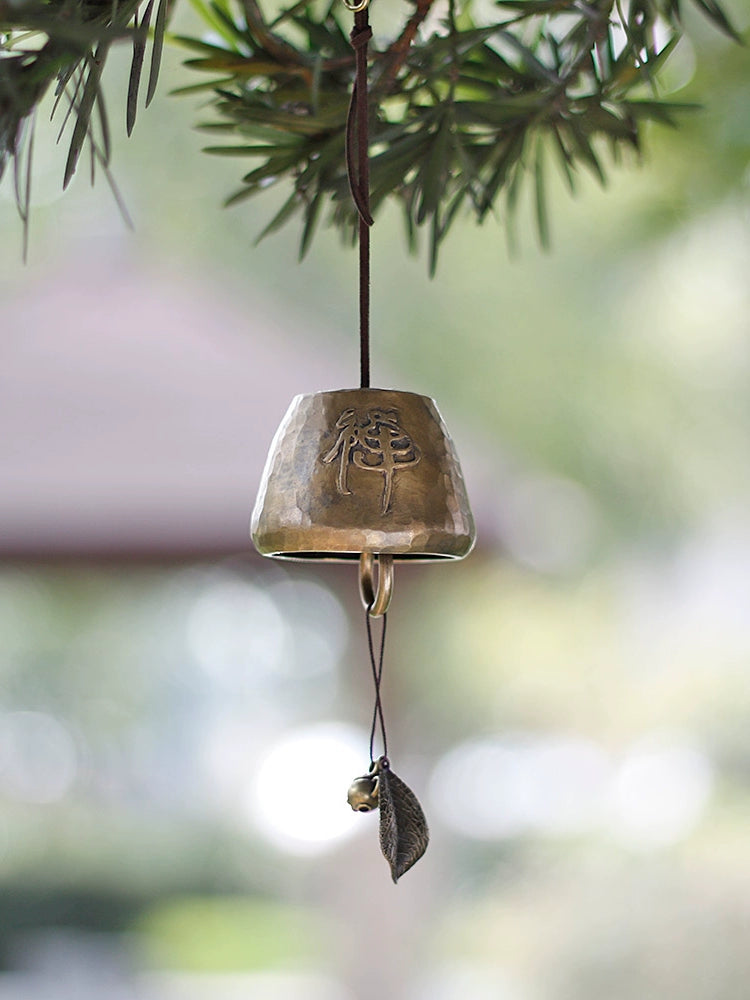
377, 676
358, 172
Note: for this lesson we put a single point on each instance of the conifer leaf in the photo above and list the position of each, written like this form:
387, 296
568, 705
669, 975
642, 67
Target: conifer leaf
207, 12
586, 150
509, 153
197, 88
139, 51
80, 76
530, 6
83, 111
197, 44
257, 150
290, 206
104, 126
312, 215
542, 216
156, 51
565, 159
240, 195
432, 175
22, 186
434, 243
534, 65
403, 829
232, 31
714, 13
410, 229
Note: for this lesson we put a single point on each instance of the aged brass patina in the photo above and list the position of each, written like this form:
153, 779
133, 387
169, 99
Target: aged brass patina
376, 596
357, 471
363, 793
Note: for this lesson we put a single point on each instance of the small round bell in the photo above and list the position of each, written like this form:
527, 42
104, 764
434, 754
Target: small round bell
363, 793
357, 471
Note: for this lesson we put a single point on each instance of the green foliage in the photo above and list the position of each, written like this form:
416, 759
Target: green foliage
66, 44
217, 933
463, 113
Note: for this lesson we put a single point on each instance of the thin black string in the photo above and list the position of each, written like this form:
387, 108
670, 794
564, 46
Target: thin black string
377, 676
359, 181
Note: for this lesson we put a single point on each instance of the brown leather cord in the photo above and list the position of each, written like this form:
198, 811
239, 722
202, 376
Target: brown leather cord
358, 172
359, 181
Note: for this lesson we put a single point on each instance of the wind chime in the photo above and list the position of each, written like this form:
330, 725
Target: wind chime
369, 475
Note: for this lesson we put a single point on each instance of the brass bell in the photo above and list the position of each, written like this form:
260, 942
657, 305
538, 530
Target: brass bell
363, 793
368, 474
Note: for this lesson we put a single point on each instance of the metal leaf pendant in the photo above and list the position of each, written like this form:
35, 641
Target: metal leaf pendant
403, 829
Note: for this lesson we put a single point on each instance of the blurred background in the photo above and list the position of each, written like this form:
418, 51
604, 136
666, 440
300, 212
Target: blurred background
180, 719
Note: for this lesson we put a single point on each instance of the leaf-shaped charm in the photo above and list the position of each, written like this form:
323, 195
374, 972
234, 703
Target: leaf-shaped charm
403, 829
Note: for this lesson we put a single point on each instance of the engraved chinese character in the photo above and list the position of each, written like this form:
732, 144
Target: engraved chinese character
372, 440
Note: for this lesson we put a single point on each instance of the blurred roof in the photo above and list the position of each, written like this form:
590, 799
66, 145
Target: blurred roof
137, 411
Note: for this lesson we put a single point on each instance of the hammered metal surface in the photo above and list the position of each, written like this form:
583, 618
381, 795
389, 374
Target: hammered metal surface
362, 470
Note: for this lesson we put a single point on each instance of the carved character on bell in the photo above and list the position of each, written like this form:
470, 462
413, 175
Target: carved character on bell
374, 441
363, 793
354, 471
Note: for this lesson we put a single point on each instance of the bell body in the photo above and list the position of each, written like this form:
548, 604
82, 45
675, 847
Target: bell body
362, 470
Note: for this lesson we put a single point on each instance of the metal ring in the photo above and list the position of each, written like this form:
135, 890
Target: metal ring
355, 8
376, 601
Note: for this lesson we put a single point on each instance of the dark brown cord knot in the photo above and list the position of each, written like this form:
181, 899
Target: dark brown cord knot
360, 36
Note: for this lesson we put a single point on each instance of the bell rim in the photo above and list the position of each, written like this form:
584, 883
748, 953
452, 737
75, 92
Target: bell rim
348, 557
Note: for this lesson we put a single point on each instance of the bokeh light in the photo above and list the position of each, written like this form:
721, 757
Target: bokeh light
504, 788
298, 795
38, 759
548, 523
236, 633
661, 790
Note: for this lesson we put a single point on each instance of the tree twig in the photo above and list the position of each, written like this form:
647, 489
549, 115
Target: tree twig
271, 42
395, 56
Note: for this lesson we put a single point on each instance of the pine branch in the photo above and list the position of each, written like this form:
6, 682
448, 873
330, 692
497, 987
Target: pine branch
461, 118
